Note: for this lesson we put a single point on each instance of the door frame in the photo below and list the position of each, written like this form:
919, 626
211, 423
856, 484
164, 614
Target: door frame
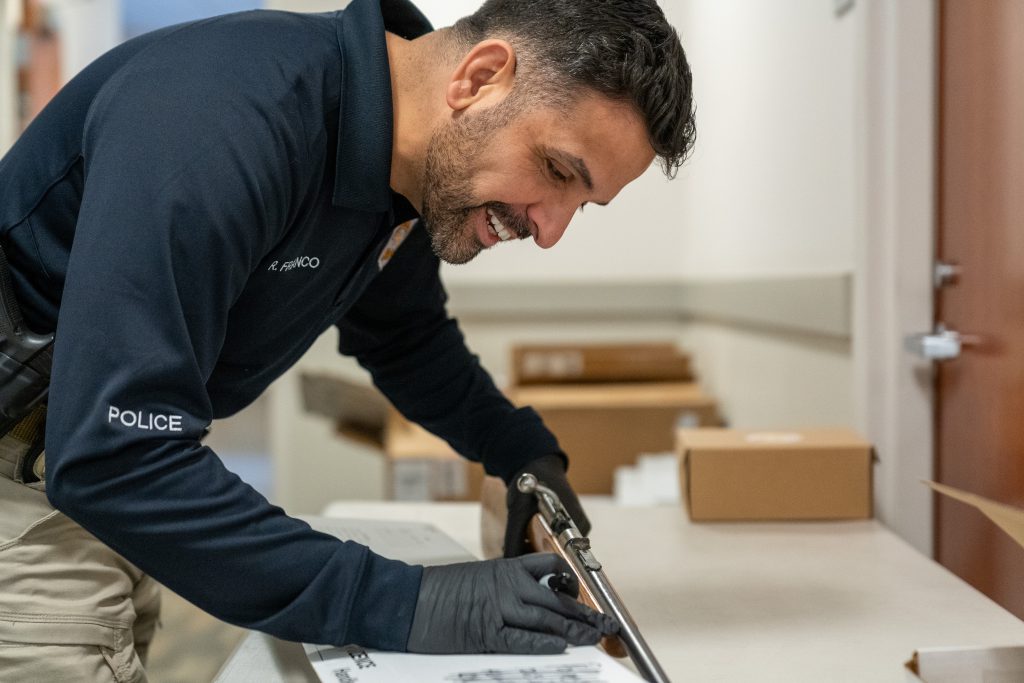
895, 247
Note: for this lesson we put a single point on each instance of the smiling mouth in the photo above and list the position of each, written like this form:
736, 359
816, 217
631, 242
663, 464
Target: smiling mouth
495, 227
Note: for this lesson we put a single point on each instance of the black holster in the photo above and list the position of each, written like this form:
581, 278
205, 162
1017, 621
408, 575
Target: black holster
25, 358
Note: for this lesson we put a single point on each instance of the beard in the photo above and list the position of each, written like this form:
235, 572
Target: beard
448, 198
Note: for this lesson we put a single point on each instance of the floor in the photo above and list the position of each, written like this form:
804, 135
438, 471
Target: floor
190, 645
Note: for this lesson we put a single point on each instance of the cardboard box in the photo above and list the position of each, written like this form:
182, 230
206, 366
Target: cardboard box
973, 664
728, 474
421, 467
580, 363
604, 426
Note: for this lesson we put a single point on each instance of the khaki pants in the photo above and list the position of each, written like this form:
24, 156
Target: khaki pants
71, 609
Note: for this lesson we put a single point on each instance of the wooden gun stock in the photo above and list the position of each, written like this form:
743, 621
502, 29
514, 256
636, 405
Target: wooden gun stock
544, 541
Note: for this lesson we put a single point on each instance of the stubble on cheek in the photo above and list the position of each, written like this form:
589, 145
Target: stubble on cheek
452, 171
448, 201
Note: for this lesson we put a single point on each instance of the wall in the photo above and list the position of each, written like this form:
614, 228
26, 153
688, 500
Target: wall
88, 28
894, 295
10, 17
770, 193
772, 187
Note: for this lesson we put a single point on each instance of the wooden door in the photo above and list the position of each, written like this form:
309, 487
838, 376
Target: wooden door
980, 407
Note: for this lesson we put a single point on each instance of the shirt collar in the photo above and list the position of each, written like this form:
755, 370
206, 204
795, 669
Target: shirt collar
365, 121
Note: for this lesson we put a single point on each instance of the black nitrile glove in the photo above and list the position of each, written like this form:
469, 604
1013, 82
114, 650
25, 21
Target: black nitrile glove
550, 471
498, 606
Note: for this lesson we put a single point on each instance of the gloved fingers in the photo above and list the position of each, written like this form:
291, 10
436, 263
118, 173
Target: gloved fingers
540, 620
565, 605
521, 642
539, 565
576, 611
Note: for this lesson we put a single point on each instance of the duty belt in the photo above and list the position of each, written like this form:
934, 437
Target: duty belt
25, 360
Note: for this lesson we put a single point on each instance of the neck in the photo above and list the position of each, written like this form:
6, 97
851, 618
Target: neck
414, 76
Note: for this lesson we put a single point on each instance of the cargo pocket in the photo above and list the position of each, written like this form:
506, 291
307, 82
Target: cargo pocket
70, 642
63, 594
124, 664
84, 663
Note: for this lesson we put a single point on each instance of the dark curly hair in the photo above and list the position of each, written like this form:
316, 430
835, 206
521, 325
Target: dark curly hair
623, 49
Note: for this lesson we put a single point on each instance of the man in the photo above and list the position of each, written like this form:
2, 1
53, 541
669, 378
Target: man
197, 207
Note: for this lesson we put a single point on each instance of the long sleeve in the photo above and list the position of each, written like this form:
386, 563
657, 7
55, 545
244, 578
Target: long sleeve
400, 331
185, 190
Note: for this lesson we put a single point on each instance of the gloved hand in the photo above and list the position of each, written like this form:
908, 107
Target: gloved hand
498, 606
550, 471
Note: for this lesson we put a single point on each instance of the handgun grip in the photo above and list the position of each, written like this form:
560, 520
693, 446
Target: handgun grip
543, 542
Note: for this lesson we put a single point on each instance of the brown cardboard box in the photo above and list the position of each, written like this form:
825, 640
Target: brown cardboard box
415, 454
420, 465
604, 426
578, 363
973, 664
731, 474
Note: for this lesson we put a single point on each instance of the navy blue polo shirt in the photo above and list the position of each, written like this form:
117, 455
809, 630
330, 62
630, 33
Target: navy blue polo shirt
189, 214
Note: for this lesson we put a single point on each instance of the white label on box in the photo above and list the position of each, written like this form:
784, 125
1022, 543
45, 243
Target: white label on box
781, 438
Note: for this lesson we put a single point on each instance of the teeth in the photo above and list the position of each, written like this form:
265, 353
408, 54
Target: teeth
496, 228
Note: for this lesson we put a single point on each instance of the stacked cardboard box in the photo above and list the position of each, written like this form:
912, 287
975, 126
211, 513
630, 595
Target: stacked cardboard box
420, 466
608, 403
593, 363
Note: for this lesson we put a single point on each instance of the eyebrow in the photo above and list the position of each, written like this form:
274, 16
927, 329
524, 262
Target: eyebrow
578, 165
581, 169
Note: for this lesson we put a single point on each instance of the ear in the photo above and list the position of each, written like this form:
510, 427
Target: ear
485, 74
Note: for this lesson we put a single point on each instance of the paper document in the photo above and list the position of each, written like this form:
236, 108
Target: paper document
412, 542
420, 543
577, 665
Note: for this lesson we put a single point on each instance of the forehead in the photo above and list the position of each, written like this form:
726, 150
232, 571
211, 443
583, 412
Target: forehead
609, 136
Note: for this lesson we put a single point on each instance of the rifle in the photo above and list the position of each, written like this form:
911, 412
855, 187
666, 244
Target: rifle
552, 530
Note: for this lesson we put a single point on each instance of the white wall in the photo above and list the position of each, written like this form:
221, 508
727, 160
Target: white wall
772, 190
894, 294
772, 187
10, 17
773, 380
88, 28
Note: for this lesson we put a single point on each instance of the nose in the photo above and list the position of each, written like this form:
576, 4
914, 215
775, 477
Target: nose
552, 220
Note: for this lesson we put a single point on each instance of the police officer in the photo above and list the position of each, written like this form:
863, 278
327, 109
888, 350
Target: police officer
195, 208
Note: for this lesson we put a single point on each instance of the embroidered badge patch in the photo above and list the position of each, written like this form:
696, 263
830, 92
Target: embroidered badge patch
398, 236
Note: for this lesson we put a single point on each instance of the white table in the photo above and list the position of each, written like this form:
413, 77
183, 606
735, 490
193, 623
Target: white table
776, 602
